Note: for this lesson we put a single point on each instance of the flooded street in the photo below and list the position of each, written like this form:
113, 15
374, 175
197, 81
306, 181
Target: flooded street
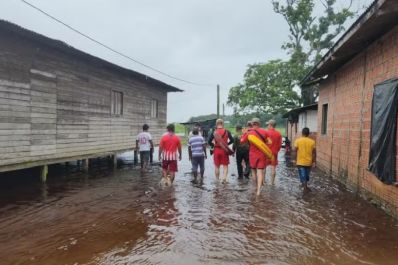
123, 217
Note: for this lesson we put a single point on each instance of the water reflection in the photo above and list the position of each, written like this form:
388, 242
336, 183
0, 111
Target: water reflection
125, 217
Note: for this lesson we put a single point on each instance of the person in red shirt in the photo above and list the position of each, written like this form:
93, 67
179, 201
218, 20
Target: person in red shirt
168, 147
256, 157
275, 146
220, 153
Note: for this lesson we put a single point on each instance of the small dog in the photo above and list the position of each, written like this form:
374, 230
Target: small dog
165, 181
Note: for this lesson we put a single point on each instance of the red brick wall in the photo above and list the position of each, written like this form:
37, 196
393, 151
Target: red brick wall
344, 150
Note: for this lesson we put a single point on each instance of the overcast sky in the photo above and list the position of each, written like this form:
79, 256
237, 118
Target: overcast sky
206, 41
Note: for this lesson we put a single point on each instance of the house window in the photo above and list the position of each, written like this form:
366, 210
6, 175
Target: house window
117, 103
154, 108
324, 128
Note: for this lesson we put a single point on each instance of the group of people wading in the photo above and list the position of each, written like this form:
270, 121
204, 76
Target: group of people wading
250, 159
255, 149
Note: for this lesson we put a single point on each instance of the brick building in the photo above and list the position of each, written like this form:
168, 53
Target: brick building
365, 56
299, 118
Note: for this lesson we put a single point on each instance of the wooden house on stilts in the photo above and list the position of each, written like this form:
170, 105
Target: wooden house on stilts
60, 104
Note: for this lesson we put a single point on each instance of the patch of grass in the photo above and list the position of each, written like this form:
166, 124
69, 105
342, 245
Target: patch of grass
180, 131
282, 130
179, 128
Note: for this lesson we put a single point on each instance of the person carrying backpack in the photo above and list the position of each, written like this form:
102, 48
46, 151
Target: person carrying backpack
220, 139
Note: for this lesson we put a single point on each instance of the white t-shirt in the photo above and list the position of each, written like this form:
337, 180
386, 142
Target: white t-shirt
143, 139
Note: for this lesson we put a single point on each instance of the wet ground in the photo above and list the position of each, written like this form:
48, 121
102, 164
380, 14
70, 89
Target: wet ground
124, 217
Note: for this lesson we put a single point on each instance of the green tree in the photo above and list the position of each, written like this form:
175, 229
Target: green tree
271, 86
310, 36
265, 88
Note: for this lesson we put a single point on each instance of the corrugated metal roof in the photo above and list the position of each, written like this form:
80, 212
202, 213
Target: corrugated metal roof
297, 111
377, 20
212, 121
6, 26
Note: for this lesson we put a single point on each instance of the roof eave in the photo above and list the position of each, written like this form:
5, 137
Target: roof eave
313, 106
318, 70
70, 50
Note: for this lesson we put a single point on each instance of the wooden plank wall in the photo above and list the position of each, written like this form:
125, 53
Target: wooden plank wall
55, 105
15, 127
43, 113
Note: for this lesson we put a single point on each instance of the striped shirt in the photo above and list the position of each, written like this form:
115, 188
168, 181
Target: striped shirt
196, 143
170, 143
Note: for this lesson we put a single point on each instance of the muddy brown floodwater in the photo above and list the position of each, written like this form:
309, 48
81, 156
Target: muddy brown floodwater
123, 217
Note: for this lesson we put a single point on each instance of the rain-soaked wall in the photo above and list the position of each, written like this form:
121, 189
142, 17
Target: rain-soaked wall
343, 150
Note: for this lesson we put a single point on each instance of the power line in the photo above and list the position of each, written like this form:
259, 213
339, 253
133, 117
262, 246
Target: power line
113, 50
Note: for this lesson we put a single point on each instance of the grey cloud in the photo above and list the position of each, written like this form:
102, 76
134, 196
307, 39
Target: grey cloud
208, 41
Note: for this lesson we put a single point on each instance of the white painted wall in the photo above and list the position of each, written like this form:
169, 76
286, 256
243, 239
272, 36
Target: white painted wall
308, 119
312, 120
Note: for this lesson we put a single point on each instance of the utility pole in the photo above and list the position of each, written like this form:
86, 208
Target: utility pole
223, 110
218, 101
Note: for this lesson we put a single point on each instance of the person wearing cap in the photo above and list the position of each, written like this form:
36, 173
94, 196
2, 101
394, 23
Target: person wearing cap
220, 156
249, 125
256, 156
275, 146
242, 154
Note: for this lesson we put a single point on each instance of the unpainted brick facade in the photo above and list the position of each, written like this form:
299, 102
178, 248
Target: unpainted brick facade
343, 151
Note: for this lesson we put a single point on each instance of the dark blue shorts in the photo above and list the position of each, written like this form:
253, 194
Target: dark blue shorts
198, 162
144, 156
304, 173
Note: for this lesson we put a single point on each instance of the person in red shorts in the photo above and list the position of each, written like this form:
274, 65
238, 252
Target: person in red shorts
168, 147
256, 157
220, 155
275, 146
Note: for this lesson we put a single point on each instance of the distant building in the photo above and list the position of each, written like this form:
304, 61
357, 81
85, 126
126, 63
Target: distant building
205, 126
60, 104
357, 143
299, 118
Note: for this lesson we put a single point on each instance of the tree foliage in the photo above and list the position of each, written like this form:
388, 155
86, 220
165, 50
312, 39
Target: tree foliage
271, 86
265, 88
310, 36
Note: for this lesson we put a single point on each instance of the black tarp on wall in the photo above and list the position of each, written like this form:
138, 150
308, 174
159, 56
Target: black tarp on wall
382, 155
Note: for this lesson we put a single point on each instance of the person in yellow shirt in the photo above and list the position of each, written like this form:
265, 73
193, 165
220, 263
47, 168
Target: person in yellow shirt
305, 153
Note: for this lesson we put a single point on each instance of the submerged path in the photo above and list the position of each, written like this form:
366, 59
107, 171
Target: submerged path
121, 217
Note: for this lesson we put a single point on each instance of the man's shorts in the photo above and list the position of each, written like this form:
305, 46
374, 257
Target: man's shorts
258, 162
170, 165
198, 161
304, 173
274, 162
144, 156
220, 157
